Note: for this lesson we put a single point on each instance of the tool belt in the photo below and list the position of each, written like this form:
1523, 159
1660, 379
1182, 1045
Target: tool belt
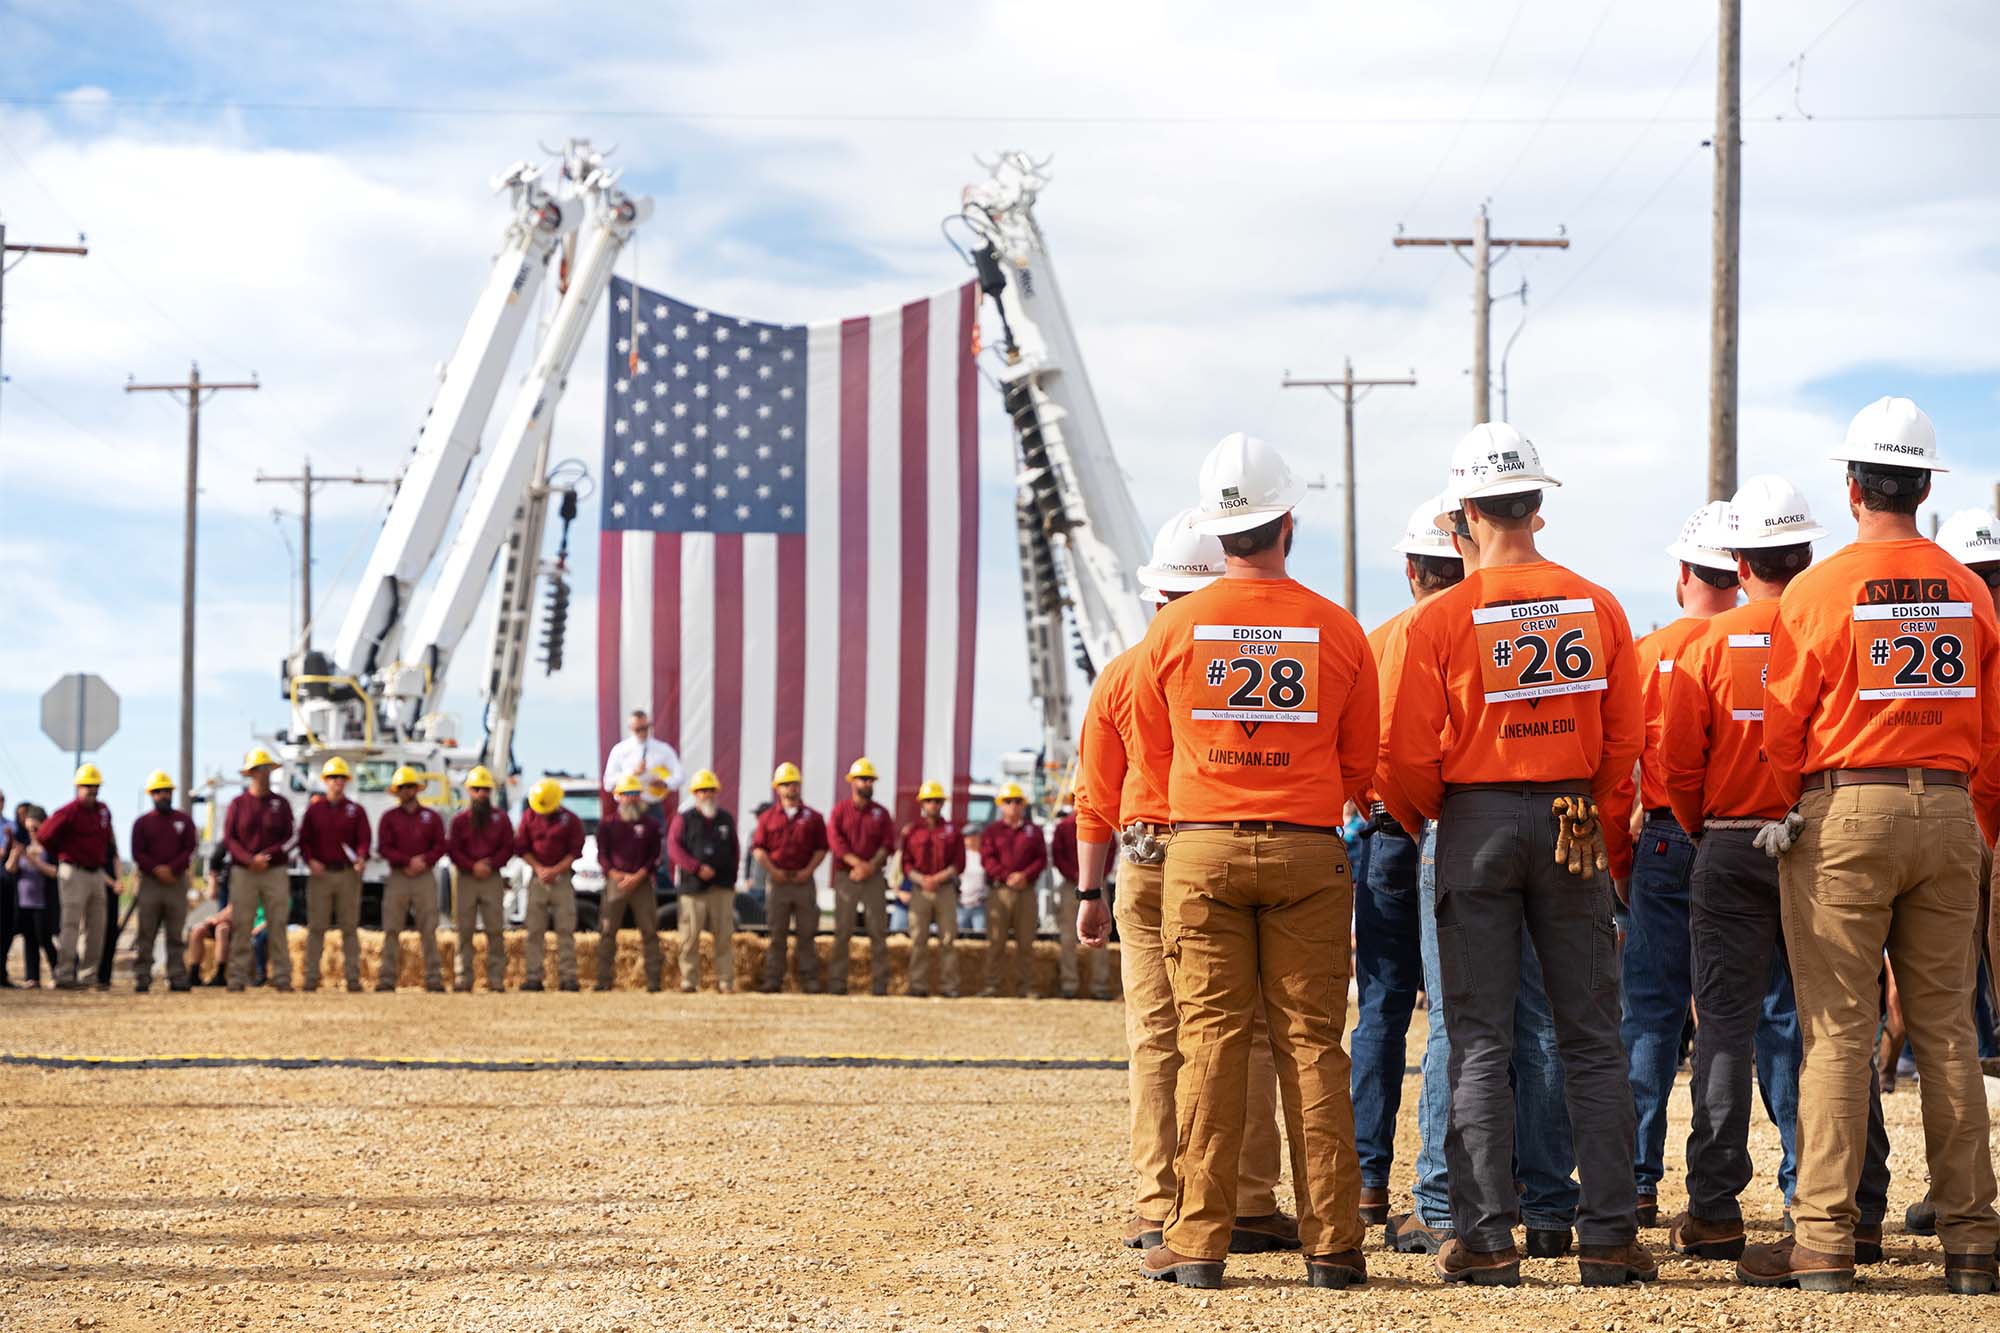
1579, 836
1143, 844
1916, 779
1381, 821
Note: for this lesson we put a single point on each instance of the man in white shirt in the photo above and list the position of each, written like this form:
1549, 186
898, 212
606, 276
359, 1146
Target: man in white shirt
639, 754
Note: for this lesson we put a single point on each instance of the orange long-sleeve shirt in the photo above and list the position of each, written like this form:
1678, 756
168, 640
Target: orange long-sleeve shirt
1257, 697
1656, 655
1886, 655
1712, 755
1387, 641
1525, 673
1111, 790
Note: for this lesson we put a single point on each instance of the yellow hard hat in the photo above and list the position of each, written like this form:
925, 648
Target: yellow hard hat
158, 782
705, 781
259, 757
787, 772
864, 767
931, 791
545, 797
1011, 792
479, 777
335, 767
629, 785
405, 776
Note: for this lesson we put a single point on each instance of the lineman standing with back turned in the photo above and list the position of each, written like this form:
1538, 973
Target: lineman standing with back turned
1529, 671
1258, 698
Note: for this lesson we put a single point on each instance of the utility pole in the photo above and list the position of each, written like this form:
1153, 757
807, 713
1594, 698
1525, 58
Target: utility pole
1482, 243
1728, 145
1343, 389
308, 482
196, 393
8, 247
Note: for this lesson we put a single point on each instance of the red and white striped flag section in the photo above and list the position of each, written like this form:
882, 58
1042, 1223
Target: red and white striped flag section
790, 531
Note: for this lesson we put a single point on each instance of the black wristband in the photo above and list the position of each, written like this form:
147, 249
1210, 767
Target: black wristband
1089, 895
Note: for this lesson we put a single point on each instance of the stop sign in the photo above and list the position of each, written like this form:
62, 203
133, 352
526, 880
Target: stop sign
80, 712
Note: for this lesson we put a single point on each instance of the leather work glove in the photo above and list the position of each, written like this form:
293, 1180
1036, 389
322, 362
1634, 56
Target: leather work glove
1579, 836
1777, 837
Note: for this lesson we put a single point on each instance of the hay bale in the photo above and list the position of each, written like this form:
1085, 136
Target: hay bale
629, 969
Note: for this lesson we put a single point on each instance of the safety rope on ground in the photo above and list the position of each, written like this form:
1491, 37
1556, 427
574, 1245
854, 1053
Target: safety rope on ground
614, 1064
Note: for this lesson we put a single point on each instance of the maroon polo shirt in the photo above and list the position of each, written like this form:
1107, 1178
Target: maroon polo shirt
334, 833
860, 830
1062, 848
163, 840
548, 839
80, 835
792, 840
257, 826
930, 848
405, 835
1006, 850
626, 845
470, 842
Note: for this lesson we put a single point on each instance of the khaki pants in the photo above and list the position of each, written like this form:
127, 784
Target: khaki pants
1010, 912
404, 897
476, 902
551, 903
334, 899
712, 910
161, 904
1095, 961
871, 897
1243, 909
645, 913
794, 915
271, 889
1892, 867
940, 905
1152, 1035
81, 893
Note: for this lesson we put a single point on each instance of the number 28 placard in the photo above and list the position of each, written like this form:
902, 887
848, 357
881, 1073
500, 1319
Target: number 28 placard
1256, 673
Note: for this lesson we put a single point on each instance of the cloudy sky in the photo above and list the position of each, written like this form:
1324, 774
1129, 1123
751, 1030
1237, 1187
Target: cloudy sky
306, 197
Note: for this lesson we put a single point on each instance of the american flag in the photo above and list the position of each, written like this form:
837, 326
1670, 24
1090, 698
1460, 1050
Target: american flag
789, 541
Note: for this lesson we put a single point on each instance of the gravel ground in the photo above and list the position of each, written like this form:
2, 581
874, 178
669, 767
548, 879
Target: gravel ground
969, 1199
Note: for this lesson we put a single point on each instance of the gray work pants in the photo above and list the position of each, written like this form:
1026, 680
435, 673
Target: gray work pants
1496, 876
81, 893
551, 905
405, 898
333, 900
270, 888
479, 902
645, 911
161, 905
794, 916
871, 898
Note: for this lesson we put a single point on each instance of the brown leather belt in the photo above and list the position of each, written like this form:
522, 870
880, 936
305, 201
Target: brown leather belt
1916, 779
1261, 826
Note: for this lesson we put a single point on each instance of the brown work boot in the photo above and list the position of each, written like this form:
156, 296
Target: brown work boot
1868, 1244
1257, 1235
1408, 1233
1649, 1210
1481, 1268
1142, 1234
1700, 1239
1971, 1274
1163, 1265
1337, 1271
1790, 1264
1374, 1205
1615, 1265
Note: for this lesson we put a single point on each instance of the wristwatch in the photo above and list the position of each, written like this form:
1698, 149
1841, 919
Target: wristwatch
1089, 895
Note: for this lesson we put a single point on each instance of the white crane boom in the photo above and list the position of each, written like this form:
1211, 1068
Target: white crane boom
1079, 531
513, 491
445, 447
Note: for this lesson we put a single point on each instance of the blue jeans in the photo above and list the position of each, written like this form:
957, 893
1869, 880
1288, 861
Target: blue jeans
1388, 972
1544, 1157
1659, 983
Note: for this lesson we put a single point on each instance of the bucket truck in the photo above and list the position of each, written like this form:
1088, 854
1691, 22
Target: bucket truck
1076, 526
376, 700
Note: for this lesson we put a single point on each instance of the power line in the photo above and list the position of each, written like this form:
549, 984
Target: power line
1506, 39
1556, 101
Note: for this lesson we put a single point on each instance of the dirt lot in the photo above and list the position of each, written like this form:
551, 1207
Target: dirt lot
972, 1199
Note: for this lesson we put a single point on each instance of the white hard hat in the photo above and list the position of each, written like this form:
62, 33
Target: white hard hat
1245, 483
1893, 432
1495, 459
1183, 559
1971, 537
1769, 511
1705, 538
1423, 536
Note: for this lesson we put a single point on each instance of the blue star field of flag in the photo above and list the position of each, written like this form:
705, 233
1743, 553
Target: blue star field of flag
704, 421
